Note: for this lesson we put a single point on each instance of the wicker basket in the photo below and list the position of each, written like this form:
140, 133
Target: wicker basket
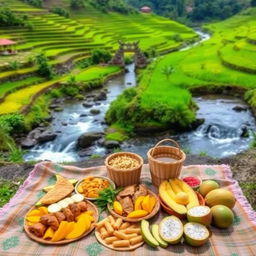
165, 170
126, 177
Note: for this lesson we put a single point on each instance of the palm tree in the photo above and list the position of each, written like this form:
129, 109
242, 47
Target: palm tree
167, 71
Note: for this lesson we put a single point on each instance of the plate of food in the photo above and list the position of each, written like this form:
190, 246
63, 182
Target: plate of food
91, 186
135, 203
60, 217
118, 235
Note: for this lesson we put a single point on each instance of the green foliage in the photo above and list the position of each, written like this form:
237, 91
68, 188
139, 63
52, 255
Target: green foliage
14, 65
85, 63
253, 143
44, 69
253, 3
177, 38
35, 3
15, 154
167, 71
113, 5
12, 123
117, 136
76, 4
9, 18
60, 11
100, 56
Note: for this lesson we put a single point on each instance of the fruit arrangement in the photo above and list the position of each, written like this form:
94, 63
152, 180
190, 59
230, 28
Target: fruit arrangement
117, 234
135, 202
91, 186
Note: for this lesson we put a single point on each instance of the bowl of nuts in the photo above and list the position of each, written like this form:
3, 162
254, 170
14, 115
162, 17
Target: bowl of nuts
124, 168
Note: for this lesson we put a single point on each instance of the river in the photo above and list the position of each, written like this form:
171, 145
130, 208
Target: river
219, 136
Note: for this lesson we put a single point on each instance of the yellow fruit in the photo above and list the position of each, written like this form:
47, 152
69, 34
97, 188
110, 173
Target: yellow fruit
35, 212
176, 189
80, 189
118, 208
60, 232
43, 210
192, 196
80, 227
152, 203
145, 204
182, 198
49, 233
169, 190
181, 209
137, 214
88, 213
138, 201
33, 219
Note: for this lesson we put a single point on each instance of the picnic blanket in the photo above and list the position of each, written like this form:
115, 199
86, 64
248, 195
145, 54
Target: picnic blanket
239, 240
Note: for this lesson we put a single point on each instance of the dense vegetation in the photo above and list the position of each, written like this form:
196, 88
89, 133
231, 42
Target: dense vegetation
195, 10
163, 96
9, 18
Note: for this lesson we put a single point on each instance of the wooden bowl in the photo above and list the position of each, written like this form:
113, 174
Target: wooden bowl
91, 207
170, 211
94, 176
149, 216
110, 246
123, 178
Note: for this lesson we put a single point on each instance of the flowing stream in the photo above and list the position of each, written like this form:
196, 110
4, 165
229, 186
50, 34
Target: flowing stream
225, 131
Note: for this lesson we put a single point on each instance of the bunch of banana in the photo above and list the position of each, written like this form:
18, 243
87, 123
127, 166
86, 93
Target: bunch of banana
178, 195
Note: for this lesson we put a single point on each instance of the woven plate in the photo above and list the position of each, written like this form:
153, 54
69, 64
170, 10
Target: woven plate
90, 207
149, 216
110, 246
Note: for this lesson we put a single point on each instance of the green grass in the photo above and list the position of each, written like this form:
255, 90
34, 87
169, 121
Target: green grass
249, 191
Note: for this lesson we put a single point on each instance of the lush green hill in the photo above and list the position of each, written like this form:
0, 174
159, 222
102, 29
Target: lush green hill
227, 59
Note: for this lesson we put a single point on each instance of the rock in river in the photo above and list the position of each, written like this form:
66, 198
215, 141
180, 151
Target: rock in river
86, 139
111, 144
95, 111
87, 104
46, 136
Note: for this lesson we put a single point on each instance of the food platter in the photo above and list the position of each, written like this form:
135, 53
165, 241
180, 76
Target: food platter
149, 216
90, 207
110, 246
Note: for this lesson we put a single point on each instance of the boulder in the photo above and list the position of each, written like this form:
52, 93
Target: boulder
86, 139
94, 111
28, 143
239, 108
87, 104
59, 109
46, 136
245, 132
83, 115
101, 96
111, 144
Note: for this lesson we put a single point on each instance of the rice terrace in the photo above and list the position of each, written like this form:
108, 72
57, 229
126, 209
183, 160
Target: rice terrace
83, 81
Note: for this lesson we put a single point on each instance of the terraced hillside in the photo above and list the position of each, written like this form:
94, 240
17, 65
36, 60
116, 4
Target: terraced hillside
65, 41
227, 59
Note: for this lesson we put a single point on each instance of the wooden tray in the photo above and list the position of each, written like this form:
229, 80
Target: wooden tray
110, 246
90, 207
149, 216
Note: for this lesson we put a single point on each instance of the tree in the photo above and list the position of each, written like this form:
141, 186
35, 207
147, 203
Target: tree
44, 69
76, 4
167, 71
100, 56
253, 3
9, 18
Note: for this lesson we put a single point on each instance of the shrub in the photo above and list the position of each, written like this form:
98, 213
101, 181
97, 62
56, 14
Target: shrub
61, 12
36, 3
14, 65
76, 4
85, 63
44, 69
176, 38
9, 18
12, 123
100, 56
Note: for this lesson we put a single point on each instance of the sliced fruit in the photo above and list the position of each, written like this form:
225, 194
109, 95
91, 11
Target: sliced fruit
145, 203
193, 181
81, 226
220, 196
33, 219
170, 191
207, 186
193, 199
138, 201
169, 201
137, 214
176, 189
43, 210
222, 216
155, 233
54, 208
195, 234
152, 203
182, 198
171, 229
200, 214
77, 198
146, 234
61, 189
60, 232
118, 207
34, 212
49, 233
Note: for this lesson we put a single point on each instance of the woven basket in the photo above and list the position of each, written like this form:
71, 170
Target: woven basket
126, 177
160, 170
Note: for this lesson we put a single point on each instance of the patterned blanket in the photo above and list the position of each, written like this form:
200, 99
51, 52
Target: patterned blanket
239, 240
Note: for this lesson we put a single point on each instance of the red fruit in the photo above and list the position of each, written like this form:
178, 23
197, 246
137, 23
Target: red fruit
192, 181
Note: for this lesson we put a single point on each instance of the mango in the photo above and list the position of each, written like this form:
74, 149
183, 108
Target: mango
176, 189
33, 219
138, 201
60, 232
34, 212
118, 208
43, 210
152, 203
145, 203
137, 214
80, 227
49, 233
169, 201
